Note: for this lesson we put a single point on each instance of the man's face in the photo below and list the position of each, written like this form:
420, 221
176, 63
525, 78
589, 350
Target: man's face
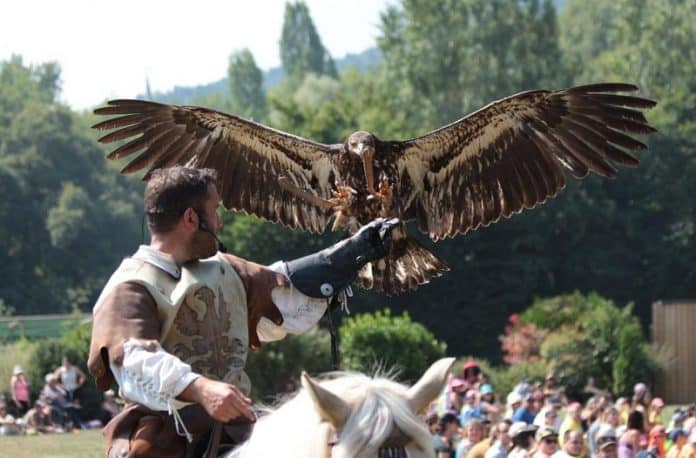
573, 446
201, 244
503, 434
608, 451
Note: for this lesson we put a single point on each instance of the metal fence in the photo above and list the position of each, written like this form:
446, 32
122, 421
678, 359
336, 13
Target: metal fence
37, 326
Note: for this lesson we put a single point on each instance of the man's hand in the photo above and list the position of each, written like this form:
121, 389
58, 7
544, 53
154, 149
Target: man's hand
223, 401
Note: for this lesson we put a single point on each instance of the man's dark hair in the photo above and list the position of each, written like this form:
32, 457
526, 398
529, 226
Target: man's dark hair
169, 192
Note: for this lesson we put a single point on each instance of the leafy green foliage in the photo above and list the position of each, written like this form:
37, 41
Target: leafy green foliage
276, 367
588, 336
392, 342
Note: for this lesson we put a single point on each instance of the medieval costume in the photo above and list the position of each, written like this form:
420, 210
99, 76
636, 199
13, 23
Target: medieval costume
158, 326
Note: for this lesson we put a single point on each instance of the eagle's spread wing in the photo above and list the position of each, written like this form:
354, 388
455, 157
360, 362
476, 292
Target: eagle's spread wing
251, 159
508, 156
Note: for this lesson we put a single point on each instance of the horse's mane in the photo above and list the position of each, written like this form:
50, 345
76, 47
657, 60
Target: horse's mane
295, 429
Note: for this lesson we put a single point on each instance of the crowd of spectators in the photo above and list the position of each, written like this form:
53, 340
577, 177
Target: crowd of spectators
57, 408
537, 420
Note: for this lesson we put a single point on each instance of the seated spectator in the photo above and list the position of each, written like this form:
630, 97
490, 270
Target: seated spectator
38, 420
656, 444
689, 449
552, 390
514, 401
489, 406
20, 390
655, 413
678, 438
473, 434
443, 442
62, 410
573, 445
525, 412
501, 441
572, 421
471, 408
8, 424
522, 435
110, 408
548, 415
629, 442
677, 420
606, 442
70, 376
547, 442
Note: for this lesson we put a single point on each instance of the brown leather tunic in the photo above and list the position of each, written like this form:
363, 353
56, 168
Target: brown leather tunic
128, 310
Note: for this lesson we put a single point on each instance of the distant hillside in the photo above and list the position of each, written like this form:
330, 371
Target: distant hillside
184, 94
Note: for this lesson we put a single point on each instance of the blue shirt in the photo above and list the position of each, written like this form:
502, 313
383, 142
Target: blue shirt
523, 414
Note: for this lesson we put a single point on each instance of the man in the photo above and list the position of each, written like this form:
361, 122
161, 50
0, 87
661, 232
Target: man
443, 440
525, 412
174, 323
573, 445
606, 442
572, 421
547, 442
522, 435
502, 441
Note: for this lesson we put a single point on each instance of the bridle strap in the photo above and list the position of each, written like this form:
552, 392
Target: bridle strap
394, 446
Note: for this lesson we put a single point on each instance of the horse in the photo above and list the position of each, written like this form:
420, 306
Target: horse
350, 415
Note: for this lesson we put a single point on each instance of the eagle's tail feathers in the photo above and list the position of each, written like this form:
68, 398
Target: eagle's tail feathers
407, 266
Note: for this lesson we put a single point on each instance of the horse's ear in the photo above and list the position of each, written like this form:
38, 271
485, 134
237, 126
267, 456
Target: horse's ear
331, 408
429, 385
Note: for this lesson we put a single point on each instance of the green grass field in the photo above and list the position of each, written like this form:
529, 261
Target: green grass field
81, 444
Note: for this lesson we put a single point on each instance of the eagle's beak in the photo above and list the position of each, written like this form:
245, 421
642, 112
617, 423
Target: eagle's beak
367, 154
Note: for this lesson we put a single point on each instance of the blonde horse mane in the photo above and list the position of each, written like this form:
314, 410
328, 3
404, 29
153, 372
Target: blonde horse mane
300, 427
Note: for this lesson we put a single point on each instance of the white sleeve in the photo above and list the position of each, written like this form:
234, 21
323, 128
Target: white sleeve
152, 378
300, 312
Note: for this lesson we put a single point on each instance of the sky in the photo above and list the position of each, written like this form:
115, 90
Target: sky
109, 49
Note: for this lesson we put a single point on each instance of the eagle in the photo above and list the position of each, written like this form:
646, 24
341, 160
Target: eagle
499, 160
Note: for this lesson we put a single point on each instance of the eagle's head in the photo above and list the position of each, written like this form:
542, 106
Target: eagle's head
362, 144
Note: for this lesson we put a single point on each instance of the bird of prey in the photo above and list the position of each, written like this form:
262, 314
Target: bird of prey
503, 158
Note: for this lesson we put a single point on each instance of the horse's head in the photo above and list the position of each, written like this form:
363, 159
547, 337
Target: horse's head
378, 414
351, 416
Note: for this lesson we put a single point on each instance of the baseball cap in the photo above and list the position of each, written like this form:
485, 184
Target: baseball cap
520, 427
486, 388
676, 433
606, 435
545, 432
514, 397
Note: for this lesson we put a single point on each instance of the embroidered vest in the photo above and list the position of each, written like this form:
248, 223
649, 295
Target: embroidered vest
203, 315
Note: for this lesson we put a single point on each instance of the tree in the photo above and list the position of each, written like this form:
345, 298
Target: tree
458, 55
67, 218
246, 85
301, 49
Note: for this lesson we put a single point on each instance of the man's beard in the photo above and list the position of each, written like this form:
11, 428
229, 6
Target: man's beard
201, 245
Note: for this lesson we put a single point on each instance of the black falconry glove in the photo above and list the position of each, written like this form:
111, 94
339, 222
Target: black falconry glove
330, 271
